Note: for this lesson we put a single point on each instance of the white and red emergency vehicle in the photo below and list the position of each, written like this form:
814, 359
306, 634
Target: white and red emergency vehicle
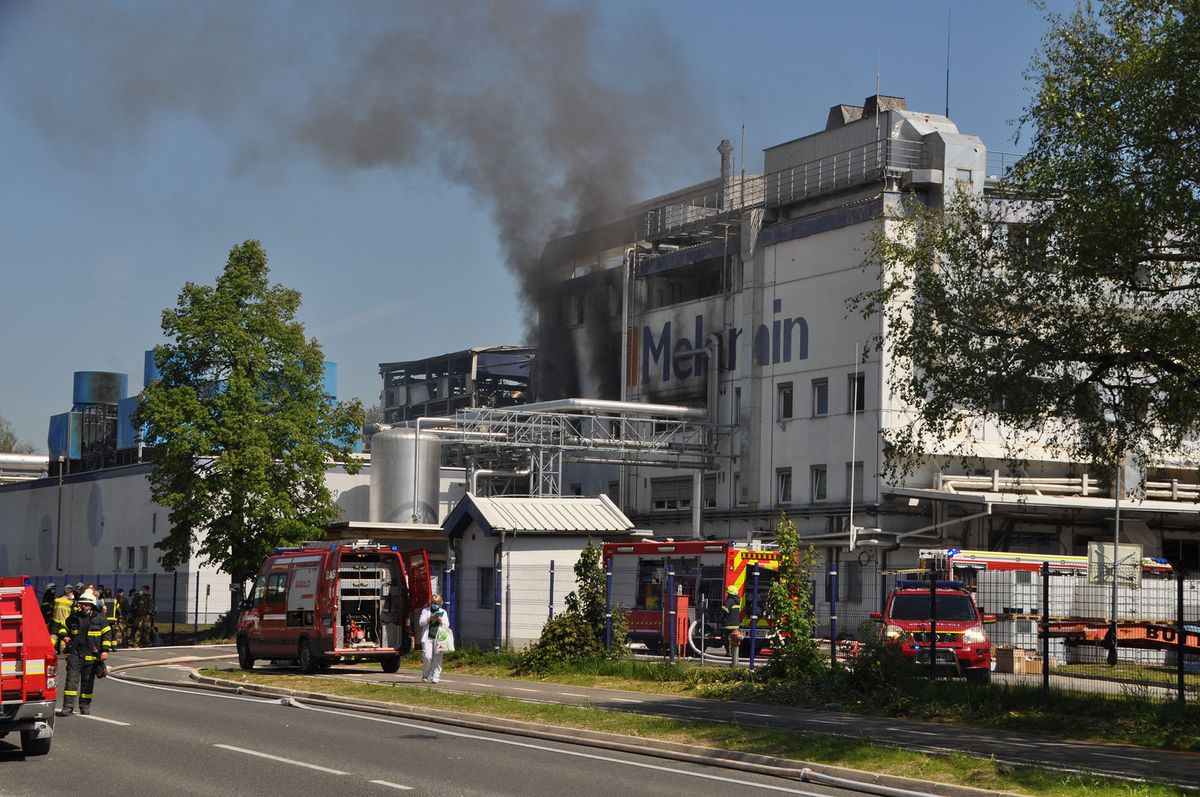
324, 603
703, 571
963, 565
28, 667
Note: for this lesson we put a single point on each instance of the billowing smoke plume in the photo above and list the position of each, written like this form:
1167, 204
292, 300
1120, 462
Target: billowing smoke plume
536, 106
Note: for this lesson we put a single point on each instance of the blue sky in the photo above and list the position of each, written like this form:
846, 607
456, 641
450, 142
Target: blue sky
142, 140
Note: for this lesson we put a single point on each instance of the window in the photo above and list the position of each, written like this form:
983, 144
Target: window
576, 488
820, 393
854, 398
783, 486
783, 401
854, 482
276, 587
129, 560
614, 491
962, 176
737, 407
738, 498
578, 314
145, 552
671, 495
487, 587
819, 480
260, 590
117, 558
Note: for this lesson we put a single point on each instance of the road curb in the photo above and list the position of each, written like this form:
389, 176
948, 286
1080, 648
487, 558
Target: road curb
675, 751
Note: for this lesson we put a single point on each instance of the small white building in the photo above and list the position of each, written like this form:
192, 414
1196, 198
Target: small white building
515, 561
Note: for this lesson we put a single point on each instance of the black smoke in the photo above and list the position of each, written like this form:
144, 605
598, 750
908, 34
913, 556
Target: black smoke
545, 111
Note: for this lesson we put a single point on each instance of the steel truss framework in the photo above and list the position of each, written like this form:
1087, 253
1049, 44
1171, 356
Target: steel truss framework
514, 437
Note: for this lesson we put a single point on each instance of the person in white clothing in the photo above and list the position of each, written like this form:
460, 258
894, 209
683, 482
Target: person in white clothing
433, 617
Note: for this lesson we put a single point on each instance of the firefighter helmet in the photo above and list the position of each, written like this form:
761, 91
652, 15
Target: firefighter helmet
732, 591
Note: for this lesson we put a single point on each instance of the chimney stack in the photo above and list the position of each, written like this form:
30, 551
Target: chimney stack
726, 149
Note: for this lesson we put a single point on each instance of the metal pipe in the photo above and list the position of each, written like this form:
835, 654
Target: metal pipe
604, 405
475, 474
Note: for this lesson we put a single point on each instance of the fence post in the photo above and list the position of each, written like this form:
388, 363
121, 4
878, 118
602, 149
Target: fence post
196, 613
174, 598
1045, 626
833, 596
608, 605
448, 593
753, 611
669, 636
551, 617
496, 604
932, 639
1180, 638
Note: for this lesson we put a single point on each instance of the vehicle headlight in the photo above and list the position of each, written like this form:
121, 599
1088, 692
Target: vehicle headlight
975, 635
894, 633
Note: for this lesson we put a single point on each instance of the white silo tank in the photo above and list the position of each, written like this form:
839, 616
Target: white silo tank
405, 476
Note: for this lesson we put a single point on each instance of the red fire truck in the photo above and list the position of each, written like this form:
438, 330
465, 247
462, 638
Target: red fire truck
702, 572
323, 603
28, 667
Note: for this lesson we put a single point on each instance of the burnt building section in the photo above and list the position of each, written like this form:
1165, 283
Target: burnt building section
484, 376
86, 437
730, 296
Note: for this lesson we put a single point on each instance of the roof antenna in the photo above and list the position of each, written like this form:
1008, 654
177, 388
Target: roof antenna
947, 63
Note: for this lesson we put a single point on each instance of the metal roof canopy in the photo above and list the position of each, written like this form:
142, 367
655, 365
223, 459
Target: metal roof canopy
527, 515
544, 435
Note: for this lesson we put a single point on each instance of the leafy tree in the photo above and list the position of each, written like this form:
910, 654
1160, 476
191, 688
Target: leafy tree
241, 427
9, 444
790, 601
577, 635
1068, 309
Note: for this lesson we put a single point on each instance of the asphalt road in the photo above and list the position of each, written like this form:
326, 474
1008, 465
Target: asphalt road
154, 740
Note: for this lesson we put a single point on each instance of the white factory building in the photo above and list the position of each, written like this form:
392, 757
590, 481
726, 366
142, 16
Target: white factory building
731, 295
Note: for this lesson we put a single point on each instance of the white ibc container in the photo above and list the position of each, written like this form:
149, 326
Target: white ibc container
1095, 601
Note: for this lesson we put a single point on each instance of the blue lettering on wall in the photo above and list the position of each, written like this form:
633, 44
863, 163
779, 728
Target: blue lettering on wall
782, 341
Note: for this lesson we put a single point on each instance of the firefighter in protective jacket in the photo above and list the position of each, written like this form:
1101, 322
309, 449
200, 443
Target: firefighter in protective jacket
731, 621
88, 639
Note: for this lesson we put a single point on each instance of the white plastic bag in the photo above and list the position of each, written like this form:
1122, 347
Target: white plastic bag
445, 640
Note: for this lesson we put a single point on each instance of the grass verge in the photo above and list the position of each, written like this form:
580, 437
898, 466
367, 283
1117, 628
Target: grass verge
956, 769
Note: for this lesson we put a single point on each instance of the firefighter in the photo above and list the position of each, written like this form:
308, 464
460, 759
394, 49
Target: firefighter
63, 606
48, 604
731, 622
143, 623
122, 629
112, 610
88, 640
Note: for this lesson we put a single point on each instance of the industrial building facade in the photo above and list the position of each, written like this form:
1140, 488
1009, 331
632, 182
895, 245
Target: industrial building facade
731, 295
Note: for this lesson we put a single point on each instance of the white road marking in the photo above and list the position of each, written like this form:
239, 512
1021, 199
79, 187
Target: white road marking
573, 694
292, 761
103, 719
743, 784
485, 686
392, 785
755, 713
824, 722
680, 705
523, 689
1126, 757
626, 700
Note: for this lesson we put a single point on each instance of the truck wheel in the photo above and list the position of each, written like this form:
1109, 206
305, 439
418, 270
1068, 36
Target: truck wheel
390, 664
308, 661
979, 675
31, 745
245, 660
